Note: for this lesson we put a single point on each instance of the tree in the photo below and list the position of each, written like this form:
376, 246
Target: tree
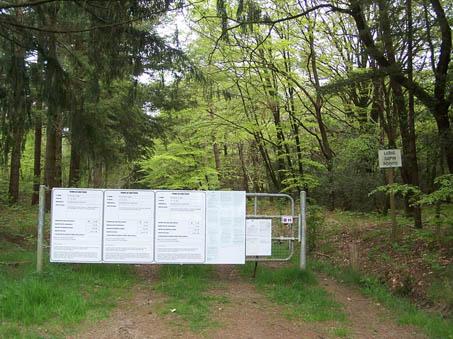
82, 48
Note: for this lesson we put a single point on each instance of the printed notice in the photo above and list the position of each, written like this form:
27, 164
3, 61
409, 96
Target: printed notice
259, 237
225, 227
76, 227
180, 227
128, 226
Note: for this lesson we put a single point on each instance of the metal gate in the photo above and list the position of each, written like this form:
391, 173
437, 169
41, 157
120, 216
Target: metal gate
285, 235
288, 224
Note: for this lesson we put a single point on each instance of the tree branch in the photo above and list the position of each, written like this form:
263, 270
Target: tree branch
25, 4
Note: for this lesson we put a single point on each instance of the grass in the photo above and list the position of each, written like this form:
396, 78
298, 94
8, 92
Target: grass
298, 291
186, 287
341, 332
55, 302
405, 312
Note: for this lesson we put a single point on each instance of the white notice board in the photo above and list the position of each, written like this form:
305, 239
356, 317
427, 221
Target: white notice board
259, 237
389, 158
180, 227
128, 226
225, 227
76, 231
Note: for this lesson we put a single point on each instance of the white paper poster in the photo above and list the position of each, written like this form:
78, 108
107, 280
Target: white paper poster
180, 227
225, 227
128, 226
76, 234
259, 237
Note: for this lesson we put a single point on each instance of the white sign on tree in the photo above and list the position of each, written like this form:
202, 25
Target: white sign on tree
390, 158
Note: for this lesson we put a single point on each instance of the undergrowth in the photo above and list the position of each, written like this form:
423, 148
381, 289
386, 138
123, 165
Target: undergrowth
404, 311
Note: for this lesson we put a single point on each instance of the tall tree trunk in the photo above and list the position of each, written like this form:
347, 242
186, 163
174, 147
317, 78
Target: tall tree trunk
215, 150
245, 185
409, 170
54, 93
274, 182
318, 104
443, 92
74, 166
18, 108
291, 109
97, 174
50, 169
411, 115
37, 158
38, 122
256, 181
59, 151
439, 102
15, 167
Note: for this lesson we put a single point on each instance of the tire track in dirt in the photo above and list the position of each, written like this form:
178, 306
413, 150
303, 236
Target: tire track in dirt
367, 319
248, 314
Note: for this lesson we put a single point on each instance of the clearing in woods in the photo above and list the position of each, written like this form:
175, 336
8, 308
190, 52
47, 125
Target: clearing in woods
238, 307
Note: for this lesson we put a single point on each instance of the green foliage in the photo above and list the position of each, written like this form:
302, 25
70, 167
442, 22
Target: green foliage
444, 192
403, 190
307, 180
178, 166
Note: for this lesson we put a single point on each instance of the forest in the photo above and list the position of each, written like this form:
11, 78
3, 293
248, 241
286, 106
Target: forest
264, 97
253, 95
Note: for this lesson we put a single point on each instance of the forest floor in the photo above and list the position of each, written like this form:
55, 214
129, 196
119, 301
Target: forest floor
418, 265
247, 313
203, 301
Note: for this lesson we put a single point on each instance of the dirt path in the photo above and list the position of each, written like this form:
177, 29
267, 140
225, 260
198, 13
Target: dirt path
367, 319
249, 314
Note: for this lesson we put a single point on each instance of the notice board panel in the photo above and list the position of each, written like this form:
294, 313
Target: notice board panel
180, 227
259, 237
76, 231
128, 226
225, 227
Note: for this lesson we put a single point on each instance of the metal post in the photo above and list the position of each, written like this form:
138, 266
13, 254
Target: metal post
390, 177
41, 213
303, 224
